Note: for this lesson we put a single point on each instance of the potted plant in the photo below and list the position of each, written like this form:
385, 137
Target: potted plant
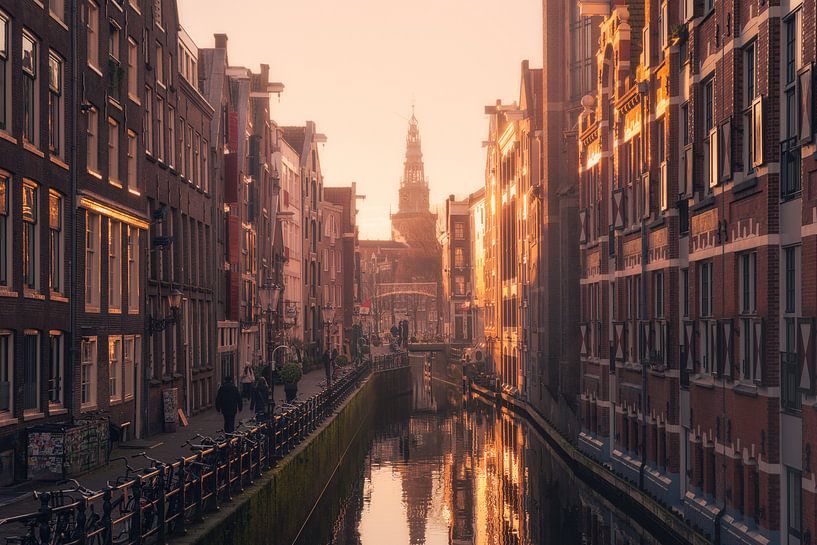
290, 375
341, 361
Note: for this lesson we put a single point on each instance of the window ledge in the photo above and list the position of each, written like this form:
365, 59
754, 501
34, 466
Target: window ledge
704, 381
113, 402
95, 69
95, 174
88, 407
33, 149
56, 296
57, 161
57, 19
56, 410
33, 294
115, 183
7, 420
134, 192
92, 309
6, 136
133, 311
5, 292
746, 389
134, 99
33, 415
703, 204
114, 310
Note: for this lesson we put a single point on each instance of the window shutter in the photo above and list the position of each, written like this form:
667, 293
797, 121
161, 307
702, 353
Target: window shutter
645, 192
664, 198
805, 353
646, 51
713, 157
618, 209
726, 151
804, 80
583, 226
757, 132
758, 344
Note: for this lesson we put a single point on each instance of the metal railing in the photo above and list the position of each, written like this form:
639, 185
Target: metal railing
390, 361
153, 504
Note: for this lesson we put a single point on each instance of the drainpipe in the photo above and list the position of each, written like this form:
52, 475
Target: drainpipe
74, 280
643, 90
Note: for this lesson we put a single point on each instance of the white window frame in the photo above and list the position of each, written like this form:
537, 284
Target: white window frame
131, 356
133, 70
56, 230
114, 266
92, 41
160, 127
59, 362
115, 366
6, 230
35, 232
5, 65
92, 142
7, 370
113, 153
171, 136
56, 94
89, 357
148, 124
37, 408
34, 75
132, 181
92, 261
134, 288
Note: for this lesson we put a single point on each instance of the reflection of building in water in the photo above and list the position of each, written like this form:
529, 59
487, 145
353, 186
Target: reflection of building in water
421, 391
459, 480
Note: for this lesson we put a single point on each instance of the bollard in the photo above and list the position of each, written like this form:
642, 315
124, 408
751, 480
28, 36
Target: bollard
179, 527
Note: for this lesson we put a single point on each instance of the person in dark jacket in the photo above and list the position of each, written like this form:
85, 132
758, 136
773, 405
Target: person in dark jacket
260, 398
228, 403
327, 367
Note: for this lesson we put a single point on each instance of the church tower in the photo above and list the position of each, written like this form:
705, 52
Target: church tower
413, 223
413, 186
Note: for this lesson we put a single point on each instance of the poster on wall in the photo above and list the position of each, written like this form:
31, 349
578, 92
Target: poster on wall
170, 404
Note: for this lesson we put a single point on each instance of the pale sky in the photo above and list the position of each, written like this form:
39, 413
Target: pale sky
355, 66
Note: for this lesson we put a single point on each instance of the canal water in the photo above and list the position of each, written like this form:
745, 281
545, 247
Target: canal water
443, 468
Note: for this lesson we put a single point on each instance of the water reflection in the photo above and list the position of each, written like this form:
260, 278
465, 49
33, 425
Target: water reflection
444, 469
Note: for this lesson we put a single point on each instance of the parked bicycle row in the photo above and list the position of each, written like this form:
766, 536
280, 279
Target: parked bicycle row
152, 499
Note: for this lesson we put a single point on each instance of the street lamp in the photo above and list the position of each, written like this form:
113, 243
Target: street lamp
328, 316
174, 301
269, 294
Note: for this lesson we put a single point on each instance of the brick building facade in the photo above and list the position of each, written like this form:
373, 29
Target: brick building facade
697, 321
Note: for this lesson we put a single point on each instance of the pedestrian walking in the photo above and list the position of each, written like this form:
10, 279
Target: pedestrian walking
247, 382
260, 398
228, 403
327, 367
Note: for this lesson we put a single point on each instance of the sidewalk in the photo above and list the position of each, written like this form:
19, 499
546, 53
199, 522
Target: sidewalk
166, 447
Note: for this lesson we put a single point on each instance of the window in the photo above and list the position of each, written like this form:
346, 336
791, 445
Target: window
148, 126
57, 8
459, 285
92, 239
709, 105
196, 159
93, 34
792, 46
55, 104
790, 151
88, 372
459, 231
685, 123
133, 69
93, 141
705, 282
130, 364
55, 239
5, 230
790, 278
133, 270
113, 41
114, 265
658, 293
5, 76
189, 154
115, 368
157, 13
459, 258
6, 372
113, 152
171, 136
56, 368
160, 65
30, 90
132, 172
750, 58
747, 268
31, 370
160, 127
30, 239
685, 292
794, 488
205, 174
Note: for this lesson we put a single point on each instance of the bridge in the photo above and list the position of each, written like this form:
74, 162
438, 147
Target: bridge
427, 289
427, 347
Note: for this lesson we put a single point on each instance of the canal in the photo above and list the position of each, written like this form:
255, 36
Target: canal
440, 467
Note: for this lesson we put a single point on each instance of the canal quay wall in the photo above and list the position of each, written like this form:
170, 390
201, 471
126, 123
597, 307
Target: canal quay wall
275, 508
618, 490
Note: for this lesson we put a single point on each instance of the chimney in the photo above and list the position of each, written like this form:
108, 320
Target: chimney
221, 41
264, 75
